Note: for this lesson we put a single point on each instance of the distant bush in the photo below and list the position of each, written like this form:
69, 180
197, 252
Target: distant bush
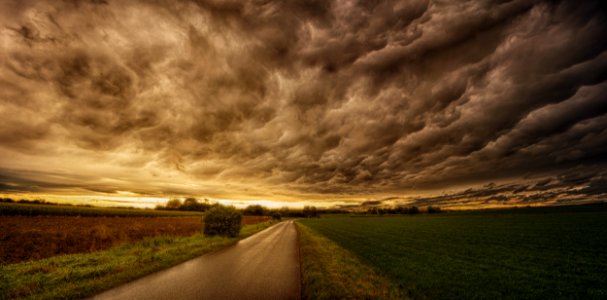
276, 216
433, 209
189, 204
291, 213
26, 201
173, 204
392, 210
192, 204
7, 200
373, 211
254, 210
222, 220
310, 212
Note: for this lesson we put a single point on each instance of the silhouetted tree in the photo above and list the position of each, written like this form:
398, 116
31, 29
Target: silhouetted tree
191, 204
310, 211
433, 209
173, 204
254, 210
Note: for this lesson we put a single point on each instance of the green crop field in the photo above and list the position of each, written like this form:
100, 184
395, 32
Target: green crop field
516, 254
19, 209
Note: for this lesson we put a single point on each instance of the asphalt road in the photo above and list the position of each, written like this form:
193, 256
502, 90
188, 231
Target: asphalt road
262, 266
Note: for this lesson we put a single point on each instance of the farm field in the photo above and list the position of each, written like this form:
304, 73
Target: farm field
78, 276
25, 238
19, 209
249, 220
32, 238
525, 254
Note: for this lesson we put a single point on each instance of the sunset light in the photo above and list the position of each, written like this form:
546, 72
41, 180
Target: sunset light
303, 149
319, 102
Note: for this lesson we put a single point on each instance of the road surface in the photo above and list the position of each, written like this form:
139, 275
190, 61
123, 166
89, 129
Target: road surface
262, 266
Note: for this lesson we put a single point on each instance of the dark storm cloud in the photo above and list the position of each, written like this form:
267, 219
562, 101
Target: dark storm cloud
40, 181
575, 185
330, 99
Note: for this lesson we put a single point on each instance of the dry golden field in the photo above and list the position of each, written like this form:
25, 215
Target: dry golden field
31, 238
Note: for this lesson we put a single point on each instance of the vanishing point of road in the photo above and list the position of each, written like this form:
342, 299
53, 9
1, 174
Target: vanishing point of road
262, 266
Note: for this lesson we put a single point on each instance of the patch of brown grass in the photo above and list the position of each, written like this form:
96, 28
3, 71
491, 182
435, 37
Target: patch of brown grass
249, 220
32, 238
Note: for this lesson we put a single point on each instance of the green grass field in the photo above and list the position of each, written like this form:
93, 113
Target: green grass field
516, 254
19, 209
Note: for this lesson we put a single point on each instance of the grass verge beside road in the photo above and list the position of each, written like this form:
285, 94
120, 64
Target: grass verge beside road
331, 272
83, 275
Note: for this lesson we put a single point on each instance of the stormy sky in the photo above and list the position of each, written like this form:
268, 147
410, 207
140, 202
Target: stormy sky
442, 102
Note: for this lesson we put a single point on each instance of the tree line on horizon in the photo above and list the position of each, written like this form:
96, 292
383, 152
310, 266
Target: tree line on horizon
193, 204
26, 201
401, 210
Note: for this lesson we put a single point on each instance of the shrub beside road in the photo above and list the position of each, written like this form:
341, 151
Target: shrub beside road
222, 220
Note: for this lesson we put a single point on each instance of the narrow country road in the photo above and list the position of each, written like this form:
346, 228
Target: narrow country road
263, 266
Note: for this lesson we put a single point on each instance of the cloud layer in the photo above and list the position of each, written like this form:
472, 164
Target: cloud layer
299, 99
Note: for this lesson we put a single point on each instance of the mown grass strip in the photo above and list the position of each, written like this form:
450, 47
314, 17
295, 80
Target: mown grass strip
83, 275
331, 272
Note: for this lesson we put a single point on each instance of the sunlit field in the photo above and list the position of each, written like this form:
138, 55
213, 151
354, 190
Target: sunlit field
78, 276
69, 252
516, 254
31, 232
18, 209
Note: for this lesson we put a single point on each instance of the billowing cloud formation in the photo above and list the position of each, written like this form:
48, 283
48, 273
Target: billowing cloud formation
298, 99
